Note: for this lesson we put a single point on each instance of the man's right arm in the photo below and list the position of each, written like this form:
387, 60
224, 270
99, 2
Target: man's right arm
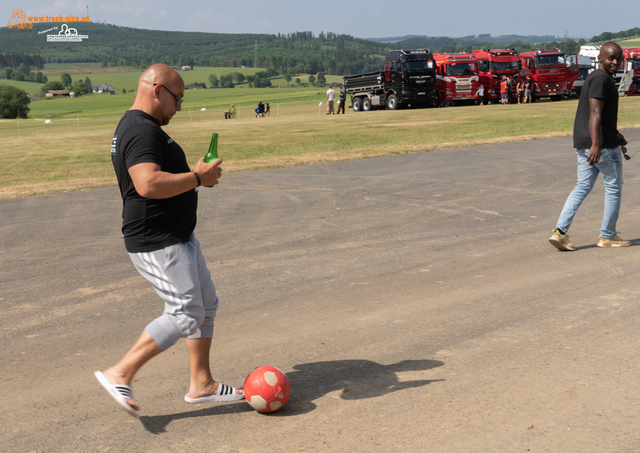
595, 121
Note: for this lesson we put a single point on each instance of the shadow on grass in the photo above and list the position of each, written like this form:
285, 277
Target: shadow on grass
355, 379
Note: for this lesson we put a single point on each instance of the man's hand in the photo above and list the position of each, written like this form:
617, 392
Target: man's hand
623, 141
594, 155
209, 173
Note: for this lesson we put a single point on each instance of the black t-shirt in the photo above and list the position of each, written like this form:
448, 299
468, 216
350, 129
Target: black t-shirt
599, 85
147, 224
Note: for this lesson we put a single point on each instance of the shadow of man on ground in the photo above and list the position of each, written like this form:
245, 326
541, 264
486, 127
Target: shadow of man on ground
357, 379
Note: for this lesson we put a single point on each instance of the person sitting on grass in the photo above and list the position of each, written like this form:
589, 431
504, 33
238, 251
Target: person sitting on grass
231, 113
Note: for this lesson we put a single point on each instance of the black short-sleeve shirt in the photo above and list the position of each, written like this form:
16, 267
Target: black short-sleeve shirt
149, 224
599, 85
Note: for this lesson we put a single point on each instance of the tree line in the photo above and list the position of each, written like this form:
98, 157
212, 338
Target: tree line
292, 53
13, 60
609, 36
23, 73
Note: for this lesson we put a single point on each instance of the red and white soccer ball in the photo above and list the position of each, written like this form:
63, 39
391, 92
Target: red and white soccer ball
267, 389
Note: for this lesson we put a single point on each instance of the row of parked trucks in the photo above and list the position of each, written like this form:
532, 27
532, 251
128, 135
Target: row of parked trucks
419, 78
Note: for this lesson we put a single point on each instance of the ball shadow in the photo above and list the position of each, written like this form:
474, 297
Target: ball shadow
355, 379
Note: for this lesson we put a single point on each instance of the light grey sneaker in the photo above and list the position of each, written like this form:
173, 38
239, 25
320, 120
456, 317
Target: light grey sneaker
615, 241
561, 241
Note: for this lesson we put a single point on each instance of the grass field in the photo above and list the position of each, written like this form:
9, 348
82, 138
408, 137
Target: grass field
73, 151
634, 42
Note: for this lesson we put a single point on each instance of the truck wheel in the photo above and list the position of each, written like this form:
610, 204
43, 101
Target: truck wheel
357, 104
392, 102
366, 104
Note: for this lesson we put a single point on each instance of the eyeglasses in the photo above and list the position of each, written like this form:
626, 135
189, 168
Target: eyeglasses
624, 153
178, 100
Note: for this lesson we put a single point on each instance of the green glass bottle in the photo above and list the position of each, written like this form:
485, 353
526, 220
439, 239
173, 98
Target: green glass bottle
212, 154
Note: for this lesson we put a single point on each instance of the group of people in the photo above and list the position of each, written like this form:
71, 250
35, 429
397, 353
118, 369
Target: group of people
261, 111
523, 88
342, 100
158, 189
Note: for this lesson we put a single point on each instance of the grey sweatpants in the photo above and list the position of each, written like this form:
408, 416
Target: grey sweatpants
180, 276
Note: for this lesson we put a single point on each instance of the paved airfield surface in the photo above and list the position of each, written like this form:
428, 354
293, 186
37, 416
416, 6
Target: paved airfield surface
413, 301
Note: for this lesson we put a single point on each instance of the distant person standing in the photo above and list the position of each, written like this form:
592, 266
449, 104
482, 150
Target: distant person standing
330, 97
342, 99
597, 142
527, 90
480, 94
521, 84
504, 91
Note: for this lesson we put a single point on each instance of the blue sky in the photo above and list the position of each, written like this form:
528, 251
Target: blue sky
362, 19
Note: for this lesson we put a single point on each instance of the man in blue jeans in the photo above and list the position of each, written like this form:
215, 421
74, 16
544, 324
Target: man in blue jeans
597, 142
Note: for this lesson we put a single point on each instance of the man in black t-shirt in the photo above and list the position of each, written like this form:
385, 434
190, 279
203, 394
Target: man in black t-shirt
159, 217
597, 142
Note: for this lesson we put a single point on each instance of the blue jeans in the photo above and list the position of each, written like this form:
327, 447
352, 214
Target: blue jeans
610, 166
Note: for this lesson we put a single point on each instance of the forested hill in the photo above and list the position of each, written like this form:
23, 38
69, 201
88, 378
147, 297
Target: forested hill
122, 46
296, 53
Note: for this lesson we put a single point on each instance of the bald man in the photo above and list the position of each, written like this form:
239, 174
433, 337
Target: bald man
159, 217
597, 143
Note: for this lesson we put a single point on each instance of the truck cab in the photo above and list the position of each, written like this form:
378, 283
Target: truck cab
406, 80
631, 79
493, 64
628, 76
552, 72
409, 77
456, 78
585, 67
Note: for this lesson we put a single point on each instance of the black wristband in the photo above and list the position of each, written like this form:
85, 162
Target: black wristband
198, 178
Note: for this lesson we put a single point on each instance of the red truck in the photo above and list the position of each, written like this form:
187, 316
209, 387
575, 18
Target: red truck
551, 71
631, 77
492, 65
456, 78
